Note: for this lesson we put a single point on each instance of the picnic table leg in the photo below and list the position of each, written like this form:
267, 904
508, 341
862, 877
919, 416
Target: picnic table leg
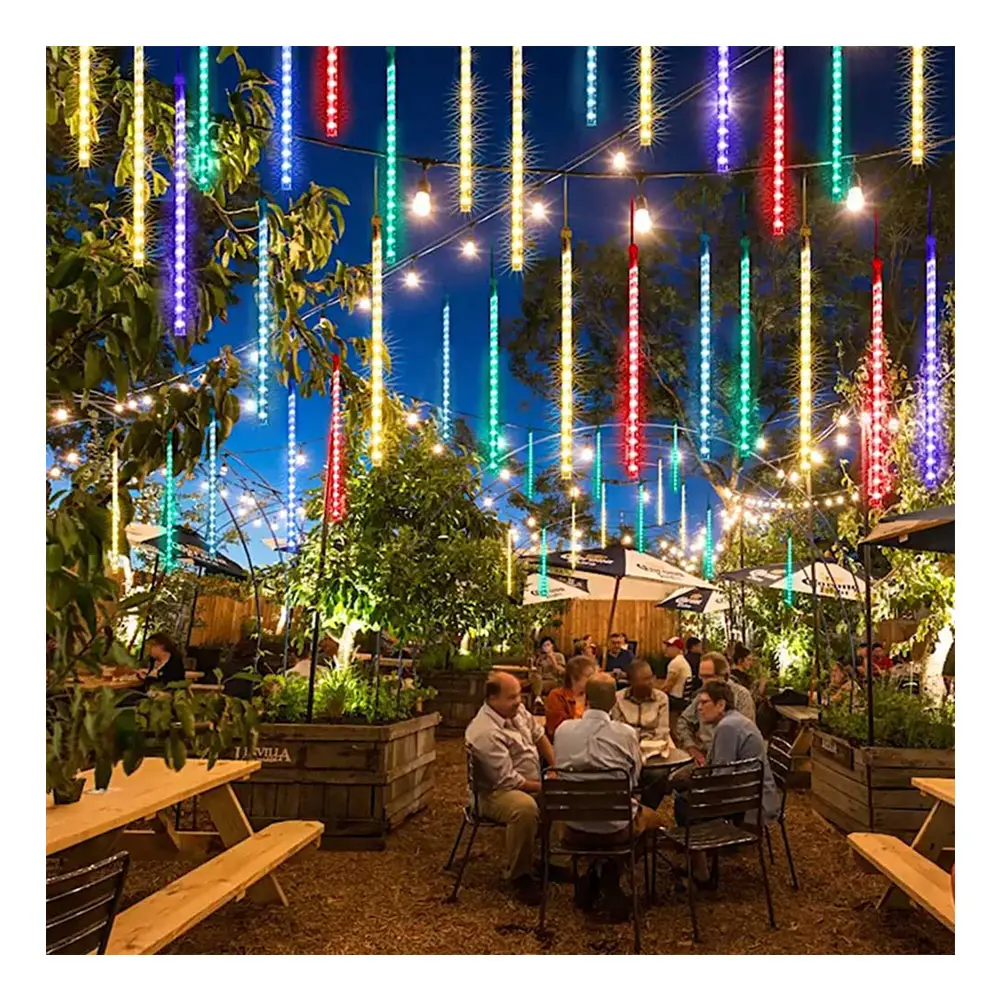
937, 833
233, 826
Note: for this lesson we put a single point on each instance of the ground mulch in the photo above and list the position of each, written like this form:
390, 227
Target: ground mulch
392, 901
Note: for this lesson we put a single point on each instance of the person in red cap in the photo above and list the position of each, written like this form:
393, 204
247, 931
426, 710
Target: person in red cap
678, 668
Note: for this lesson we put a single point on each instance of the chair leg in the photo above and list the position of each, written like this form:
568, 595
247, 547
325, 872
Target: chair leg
635, 903
713, 875
767, 837
454, 847
767, 885
545, 886
690, 882
788, 853
465, 860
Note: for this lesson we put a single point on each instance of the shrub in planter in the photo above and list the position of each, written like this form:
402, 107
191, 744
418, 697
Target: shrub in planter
901, 720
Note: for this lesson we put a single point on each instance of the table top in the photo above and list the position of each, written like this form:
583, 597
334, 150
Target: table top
674, 757
130, 798
798, 713
940, 788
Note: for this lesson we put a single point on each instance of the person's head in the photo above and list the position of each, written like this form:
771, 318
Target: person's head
579, 669
693, 644
838, 675
503, 693
714, 666
601, 692
547, 645
714, 700
671, 647
741, 656
641, 678
878, 650
616, 642
160, 646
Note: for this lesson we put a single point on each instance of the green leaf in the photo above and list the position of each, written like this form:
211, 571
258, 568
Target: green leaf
102, 773
53, 558
178, 752
60, 321
68, 270
93, 366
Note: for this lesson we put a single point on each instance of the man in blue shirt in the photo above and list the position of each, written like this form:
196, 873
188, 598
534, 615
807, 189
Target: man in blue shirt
620, 657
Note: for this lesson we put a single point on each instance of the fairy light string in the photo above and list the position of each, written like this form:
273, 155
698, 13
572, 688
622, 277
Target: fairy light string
446, 370
139, 157
517, 160
203, 151
263, 308
591, 86
465, 173
84, 110
180, 210
778, 143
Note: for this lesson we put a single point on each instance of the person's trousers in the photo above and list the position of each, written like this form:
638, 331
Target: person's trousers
518, 811
541, 685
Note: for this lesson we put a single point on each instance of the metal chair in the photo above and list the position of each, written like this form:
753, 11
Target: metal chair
80, 907
588, 796
718, 798
779, 756
471, 816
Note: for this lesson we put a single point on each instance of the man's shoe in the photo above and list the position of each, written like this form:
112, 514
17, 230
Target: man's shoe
586, 889
526, 890
557, 873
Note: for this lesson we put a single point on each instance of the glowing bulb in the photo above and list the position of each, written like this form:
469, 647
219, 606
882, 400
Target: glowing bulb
816, 458
300, 458
793, 476
841, 440
827, 502
619, 162
843, 420
761, 443
412, 419
438, 448
539, 212
55, 472
365, 304
147, 400
487, 501
587, 454
421, 204
250, 405
534, 536
575, 492
781, 473
60, 414
412, 279
643, 220
894, 425
855, 497
855, 199
224, 493
133, 404
119, 408
531, 522
72, 458
505, 475
626, 539
258, 523
469, 249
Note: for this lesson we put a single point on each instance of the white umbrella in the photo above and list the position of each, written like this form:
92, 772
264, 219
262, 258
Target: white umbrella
703, 600
832, 579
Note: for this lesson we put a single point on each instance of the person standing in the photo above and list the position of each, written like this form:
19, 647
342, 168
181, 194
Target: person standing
506, 742
678, 669
693, 654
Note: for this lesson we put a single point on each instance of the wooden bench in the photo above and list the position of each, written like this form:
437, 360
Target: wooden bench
919, 877
154, 922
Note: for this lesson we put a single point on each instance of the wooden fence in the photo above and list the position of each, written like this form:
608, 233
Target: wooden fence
642, 621
219, 620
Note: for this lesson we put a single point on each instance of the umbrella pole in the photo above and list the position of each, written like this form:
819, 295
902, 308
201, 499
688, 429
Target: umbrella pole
743, 588
149, 609
611, 622
253, 578
314, 652
868, 640
194, 605
288, 626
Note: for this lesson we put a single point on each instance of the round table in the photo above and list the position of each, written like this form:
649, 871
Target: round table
674, 758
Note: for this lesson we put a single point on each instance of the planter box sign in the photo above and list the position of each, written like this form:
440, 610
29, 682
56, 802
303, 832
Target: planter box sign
361, 781
870, 788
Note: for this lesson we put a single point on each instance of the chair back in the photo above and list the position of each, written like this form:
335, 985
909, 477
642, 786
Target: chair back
473, 779
80, 907
586, 796
722, 790
779, 756
689, 687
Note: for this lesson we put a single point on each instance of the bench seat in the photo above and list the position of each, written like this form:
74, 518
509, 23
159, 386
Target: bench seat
154, 922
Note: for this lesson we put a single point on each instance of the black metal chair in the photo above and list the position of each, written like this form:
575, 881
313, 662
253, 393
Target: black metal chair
717, 798
80, 907
471, 816
779, 756
589, 796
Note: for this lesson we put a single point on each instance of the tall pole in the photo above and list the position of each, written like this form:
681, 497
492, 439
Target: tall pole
743, 586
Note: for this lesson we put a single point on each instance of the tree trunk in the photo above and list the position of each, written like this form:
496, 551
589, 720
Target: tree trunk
345, 645
933, 683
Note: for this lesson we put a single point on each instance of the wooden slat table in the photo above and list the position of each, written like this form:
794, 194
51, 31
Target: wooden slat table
798, 713
936, 835
801, 718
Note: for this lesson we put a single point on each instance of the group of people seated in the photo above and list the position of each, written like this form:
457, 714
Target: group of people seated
591, 725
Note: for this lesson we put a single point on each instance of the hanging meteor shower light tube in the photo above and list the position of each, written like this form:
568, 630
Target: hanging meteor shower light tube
746, 388
646, 95
139, 157
778, 144
203, 151
286, 117
598, 465
180, 210
213, 487
932, 456
332, 91
517, 160
659, 491
465, 174
543, 564
722, 112
640, 517
877, 472
837, 125
705, 320
789, 571
84, 110
446, 370
291, 507
169, 514
494, 414
391, 194
682, 531
917, 63
377, 387
675, 464
572, 533
708, 556
116, 515
591, 86
263, 308
510, 561
529, 486
633, 444
334, 506
805, 343
566, 364
604, 515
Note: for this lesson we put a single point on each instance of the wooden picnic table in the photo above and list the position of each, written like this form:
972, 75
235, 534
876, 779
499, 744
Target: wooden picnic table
798, 713
93, 828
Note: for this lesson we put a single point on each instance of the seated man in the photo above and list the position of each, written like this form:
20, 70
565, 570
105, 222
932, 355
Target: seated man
596, 743
693, 733
505, 742
735, 738
619, 657
642, 706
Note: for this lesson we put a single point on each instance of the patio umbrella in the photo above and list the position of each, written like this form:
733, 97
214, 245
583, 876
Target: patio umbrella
565, 586
699, 600
930, 530
635, 575
189, 546
832, 579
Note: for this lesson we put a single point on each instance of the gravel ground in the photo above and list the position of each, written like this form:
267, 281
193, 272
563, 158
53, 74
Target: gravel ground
392, 902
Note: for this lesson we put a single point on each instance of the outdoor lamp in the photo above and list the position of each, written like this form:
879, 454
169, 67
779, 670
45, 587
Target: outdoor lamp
421, 204
643, 220
618, 161
855, 196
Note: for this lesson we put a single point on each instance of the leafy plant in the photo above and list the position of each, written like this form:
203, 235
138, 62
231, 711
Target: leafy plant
350, 693
901, 720
285, 698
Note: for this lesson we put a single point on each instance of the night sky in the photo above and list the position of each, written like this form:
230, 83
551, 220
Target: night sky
875, 119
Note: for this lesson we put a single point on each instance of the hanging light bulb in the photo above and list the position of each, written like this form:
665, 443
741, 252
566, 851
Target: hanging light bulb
300, 458
619, 161
469, 249
365, 304
643, 220
855, 197
438, 448
587, 454
412, 279
539, 212
421, 204
412, 419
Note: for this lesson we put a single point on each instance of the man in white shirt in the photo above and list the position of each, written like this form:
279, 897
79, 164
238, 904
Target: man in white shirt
506, 742
678, 668
595, 742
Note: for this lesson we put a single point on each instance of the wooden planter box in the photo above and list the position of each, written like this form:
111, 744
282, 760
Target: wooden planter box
869, 788
460, 694
361, 781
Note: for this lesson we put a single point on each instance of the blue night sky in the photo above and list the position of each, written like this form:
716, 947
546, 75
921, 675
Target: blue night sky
875, 119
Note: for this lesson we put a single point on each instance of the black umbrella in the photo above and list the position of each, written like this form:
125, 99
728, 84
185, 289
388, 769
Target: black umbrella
930, 530
188, 546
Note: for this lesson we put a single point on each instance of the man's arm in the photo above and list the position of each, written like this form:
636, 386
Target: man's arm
662, 731
545, 750
725, 746
673, 673
687, 728
496, 766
